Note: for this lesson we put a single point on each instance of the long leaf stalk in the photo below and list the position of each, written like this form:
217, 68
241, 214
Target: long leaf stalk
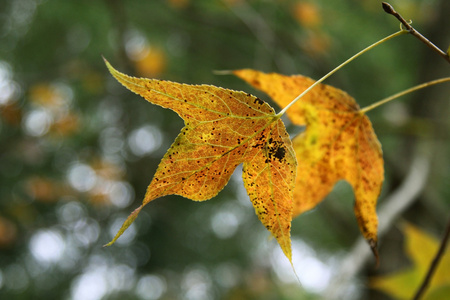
402, 93
402, 31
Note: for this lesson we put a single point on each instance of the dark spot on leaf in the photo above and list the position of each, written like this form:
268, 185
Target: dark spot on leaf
276, 150
259, 101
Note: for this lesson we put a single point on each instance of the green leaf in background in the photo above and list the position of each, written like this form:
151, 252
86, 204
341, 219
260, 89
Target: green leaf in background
421, 248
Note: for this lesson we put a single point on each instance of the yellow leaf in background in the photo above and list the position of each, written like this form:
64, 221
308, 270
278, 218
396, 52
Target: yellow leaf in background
317, 43
107, 169
44, 189
421, 249
47, 95
151, 62
338, 143
307, 14
66, 125
223, 128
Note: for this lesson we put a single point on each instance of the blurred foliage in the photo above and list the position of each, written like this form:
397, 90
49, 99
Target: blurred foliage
421, 247
77, 150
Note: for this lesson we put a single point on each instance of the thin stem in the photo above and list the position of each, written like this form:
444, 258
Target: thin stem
390, 10
434, 264
339, 67
402, 93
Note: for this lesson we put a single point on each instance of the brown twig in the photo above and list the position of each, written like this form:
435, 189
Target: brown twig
390, 10
434, 264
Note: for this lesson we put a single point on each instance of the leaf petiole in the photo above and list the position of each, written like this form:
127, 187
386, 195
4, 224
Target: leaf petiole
402, 93
339, 67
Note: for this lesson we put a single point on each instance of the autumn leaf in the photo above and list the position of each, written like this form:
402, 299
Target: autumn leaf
223, 128
338, 143
421, 248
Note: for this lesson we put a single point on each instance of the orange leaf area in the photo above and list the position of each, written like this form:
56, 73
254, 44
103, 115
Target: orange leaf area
338, 143
223, 128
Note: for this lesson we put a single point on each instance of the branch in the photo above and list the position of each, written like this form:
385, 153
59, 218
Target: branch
434, 264
390, 10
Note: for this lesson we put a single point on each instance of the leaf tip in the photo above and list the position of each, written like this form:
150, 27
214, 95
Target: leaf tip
296, 275
125, 225
108, 65
374, 247
108, 244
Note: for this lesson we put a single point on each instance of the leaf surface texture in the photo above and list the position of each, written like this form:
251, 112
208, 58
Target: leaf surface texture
223, 128
338, 143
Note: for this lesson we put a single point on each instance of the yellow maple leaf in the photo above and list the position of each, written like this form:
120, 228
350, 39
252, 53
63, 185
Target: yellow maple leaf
421, 248
223, 128
338, 143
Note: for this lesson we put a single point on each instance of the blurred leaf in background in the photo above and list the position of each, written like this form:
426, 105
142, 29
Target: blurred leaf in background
77, 150
421, 249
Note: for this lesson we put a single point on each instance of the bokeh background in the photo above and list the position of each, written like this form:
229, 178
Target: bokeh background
77, 150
